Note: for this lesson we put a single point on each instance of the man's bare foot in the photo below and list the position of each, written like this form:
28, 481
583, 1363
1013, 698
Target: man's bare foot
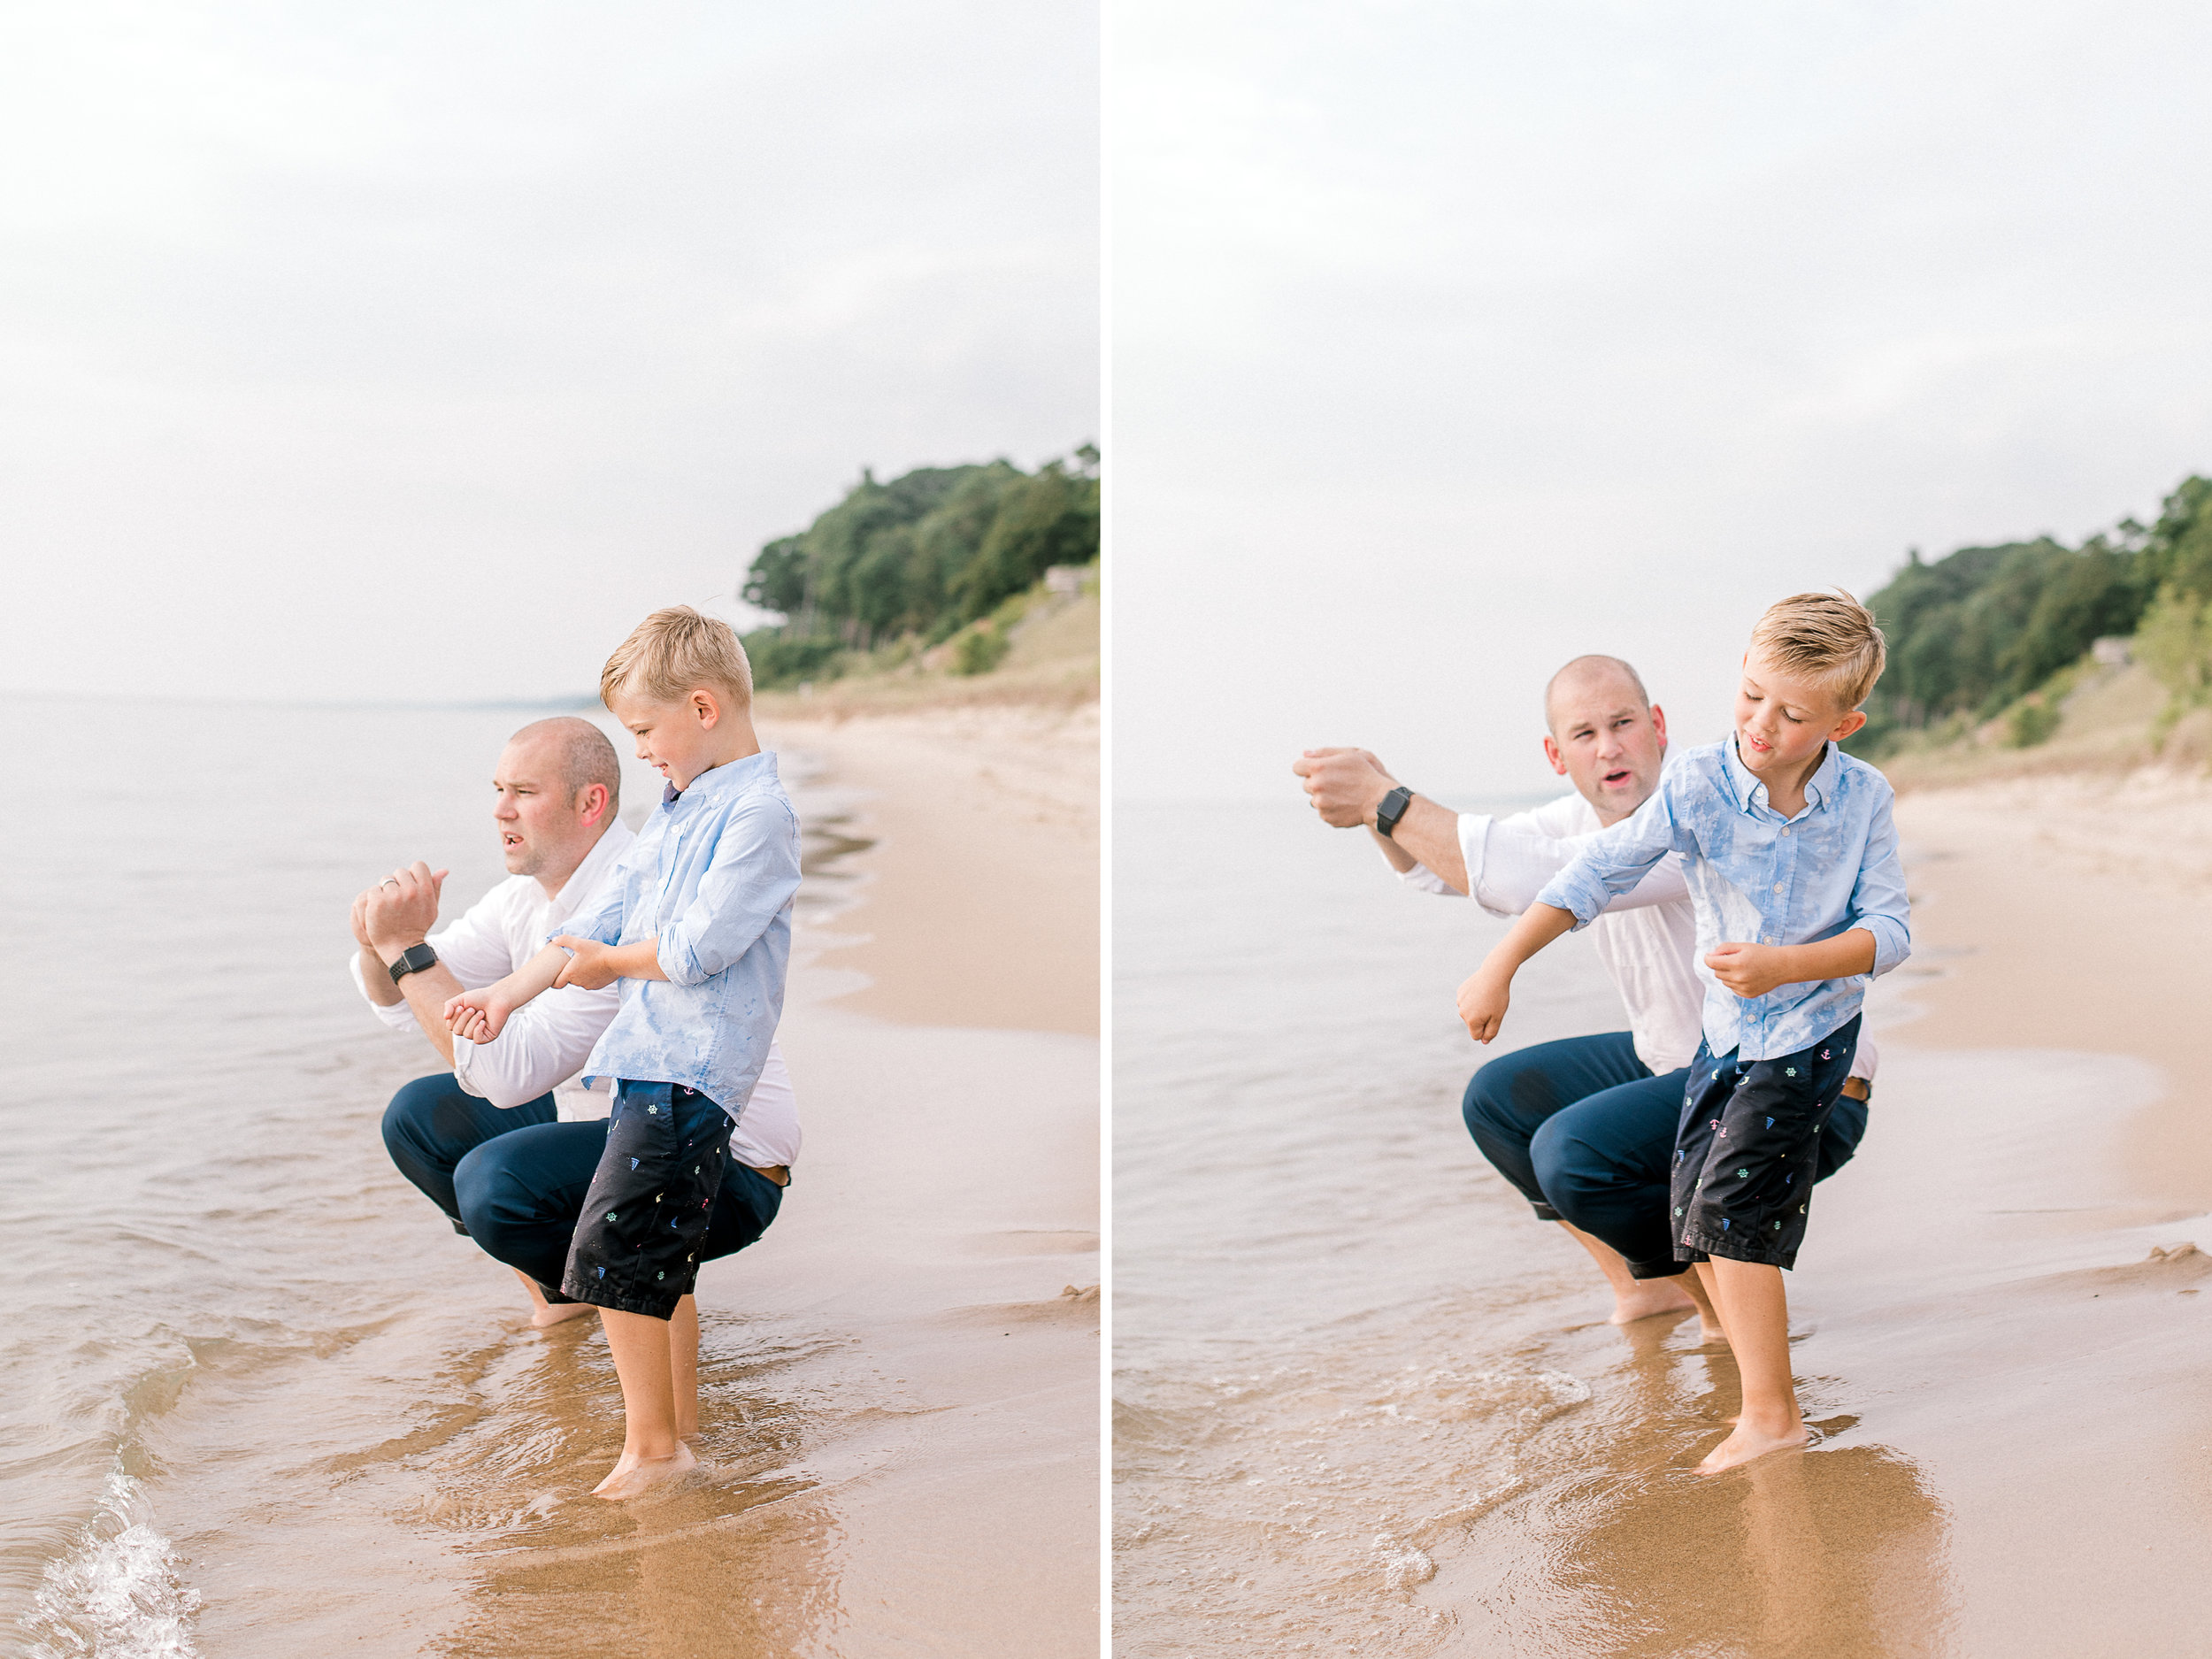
1647, 1299
1745, 1443
634, 1475
543, 1312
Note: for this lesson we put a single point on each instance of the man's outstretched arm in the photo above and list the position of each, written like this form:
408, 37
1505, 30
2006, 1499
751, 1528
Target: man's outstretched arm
1347, 784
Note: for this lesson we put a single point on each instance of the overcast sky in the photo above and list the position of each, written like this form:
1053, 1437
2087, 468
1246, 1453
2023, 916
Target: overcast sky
417, 350
1451, 340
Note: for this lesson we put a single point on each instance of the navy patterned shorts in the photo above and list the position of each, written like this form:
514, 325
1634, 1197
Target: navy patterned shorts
637, 1242
1747, 1151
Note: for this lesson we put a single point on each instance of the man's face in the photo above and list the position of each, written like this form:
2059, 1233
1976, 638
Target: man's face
1608, 740
540, 826
1783, 721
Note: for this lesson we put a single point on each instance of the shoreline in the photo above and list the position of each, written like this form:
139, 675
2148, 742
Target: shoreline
942, 1027
978, 900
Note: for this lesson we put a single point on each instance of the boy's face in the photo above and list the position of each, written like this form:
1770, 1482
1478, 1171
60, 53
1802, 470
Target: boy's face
1783, 721
676, 739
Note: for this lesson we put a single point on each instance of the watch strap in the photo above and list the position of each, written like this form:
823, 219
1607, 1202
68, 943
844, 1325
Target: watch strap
1392, 808
414, 959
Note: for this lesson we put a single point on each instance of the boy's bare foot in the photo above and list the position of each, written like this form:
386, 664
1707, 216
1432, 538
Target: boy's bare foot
634, 1475
1745, 1443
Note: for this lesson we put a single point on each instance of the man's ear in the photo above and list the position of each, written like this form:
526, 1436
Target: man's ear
1659, 723
1849, 724
1551, 753
591, 804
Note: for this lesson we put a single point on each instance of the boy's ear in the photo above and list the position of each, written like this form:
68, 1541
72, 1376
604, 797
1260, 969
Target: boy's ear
705, 709
1849, 724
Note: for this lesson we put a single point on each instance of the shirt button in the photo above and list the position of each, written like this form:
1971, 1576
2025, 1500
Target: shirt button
1778, 887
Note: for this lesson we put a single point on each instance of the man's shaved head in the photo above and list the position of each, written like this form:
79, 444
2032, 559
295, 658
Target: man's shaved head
1590, 672
583, 753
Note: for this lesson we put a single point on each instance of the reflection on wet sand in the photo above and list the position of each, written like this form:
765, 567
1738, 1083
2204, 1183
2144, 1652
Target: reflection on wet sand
1836, 1553
734, 1560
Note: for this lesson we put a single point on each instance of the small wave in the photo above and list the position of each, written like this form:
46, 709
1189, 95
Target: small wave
117, 1594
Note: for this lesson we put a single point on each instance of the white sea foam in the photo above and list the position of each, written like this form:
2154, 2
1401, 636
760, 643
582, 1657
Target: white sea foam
117, 1594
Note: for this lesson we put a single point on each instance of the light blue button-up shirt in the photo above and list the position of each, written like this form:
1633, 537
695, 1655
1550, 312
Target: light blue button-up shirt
712, 874
1757, 877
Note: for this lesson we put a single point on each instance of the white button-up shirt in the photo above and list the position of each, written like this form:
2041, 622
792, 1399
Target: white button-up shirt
545, 1042
1647, 937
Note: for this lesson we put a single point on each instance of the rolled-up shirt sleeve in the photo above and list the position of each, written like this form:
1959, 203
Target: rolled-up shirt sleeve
1520, 856
1423, 879
1878, 902
1614, 861
754, 873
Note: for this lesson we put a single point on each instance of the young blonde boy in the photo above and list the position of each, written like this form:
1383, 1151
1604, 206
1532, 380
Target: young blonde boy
696, 927
1791, 864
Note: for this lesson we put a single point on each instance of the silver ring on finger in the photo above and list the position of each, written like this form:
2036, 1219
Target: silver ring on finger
388, 881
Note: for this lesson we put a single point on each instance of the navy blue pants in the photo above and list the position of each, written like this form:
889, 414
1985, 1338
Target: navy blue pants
1587, 1132
514, 1178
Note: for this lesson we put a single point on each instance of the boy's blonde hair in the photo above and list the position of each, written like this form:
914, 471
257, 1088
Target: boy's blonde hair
672, 653
1831, 638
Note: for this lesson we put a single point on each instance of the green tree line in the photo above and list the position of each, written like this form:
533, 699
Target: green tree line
1971, 633
917, 558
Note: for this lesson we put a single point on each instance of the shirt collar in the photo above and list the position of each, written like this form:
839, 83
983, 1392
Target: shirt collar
1751, 793
727, 779
583, 881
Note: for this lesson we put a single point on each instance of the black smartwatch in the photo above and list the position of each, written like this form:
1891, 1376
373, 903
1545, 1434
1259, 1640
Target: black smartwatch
414, 959
1392, 808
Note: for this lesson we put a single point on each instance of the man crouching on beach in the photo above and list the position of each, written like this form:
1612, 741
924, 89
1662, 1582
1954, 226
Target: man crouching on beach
697, 929
505, 1141
1583, 1127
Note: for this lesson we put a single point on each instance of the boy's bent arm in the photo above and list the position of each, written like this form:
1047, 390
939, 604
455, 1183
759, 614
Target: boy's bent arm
1614, 861
1879, 903
754, 873
1750, 969
491, 1005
